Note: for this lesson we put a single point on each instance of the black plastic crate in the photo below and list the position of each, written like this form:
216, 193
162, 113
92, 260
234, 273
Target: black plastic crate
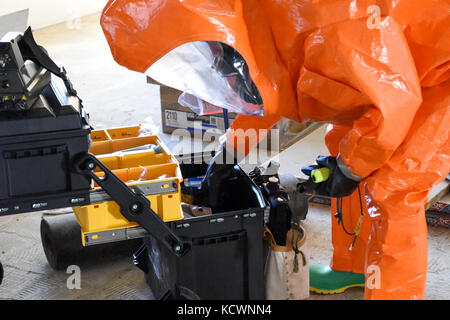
36, 152
226, 260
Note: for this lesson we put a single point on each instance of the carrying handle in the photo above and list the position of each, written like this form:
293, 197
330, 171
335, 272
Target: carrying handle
134, 205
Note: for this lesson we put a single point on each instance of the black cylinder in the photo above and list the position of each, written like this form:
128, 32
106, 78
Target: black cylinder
61, 241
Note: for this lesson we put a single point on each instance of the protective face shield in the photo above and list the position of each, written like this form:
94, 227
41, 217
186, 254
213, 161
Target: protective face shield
212, 76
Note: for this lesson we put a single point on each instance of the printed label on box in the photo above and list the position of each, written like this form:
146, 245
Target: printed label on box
192, 121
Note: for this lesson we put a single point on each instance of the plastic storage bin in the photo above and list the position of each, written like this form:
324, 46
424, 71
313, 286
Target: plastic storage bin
225, 260
156, 173
36, 149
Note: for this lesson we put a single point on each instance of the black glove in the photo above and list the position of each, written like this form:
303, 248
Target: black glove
337, 185
220, 169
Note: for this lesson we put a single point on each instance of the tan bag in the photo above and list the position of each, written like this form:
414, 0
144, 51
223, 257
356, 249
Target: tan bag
287, 267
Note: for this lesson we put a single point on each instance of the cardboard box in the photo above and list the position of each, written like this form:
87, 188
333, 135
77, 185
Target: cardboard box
175, 117
182, 121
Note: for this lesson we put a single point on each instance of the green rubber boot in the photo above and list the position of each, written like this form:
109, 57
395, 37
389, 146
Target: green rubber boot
324, 280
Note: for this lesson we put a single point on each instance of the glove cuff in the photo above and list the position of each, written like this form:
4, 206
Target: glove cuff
346, 171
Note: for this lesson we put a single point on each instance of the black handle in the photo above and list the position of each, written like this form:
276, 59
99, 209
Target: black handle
133, 204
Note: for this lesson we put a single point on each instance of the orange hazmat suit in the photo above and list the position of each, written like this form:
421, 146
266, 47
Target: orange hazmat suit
377, 71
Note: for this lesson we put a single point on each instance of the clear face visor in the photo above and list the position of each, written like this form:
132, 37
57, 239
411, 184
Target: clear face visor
212, 76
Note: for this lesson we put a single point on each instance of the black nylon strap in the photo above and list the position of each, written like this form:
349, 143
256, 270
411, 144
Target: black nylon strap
32, 51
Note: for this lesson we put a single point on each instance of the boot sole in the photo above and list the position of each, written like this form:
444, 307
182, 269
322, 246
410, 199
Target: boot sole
341, 290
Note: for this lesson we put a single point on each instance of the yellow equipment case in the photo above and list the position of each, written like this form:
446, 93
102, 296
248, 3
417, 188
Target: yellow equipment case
138, 159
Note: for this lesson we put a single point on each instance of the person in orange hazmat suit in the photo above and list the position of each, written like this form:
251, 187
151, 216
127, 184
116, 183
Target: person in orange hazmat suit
376, 70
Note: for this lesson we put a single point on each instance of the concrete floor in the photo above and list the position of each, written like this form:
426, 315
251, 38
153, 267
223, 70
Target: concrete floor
115, 96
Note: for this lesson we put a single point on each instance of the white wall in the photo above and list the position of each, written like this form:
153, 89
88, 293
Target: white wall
48, 12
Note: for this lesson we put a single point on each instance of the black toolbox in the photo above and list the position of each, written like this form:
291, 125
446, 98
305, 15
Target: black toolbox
226, 260
36, 150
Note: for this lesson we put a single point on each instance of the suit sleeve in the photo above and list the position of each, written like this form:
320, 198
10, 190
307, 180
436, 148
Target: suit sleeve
246, 132
364, 78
